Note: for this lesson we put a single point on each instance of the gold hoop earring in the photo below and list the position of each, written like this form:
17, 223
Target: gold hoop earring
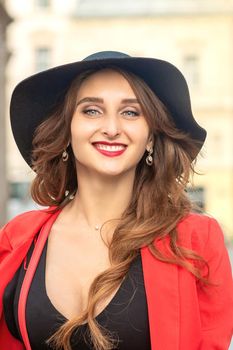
149, 158
65, 156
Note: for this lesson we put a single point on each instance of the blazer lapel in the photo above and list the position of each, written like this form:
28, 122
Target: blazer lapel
29, 276
19, 233
162, 292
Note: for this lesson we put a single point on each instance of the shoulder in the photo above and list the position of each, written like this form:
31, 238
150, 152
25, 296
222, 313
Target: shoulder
24, 226
24, 219
200, 232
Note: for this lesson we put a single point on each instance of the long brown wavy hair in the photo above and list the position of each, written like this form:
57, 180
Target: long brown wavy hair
159, 200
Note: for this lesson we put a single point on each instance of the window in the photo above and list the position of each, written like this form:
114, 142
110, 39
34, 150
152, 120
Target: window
19, 190
42, 58
19, 200
197, 197
192, 69
43, 3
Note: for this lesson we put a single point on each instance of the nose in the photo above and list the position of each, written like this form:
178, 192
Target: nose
111, 126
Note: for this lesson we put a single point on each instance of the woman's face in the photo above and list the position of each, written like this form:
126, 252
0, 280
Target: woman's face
109, 133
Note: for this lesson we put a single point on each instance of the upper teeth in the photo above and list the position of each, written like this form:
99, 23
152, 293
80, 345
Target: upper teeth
109, 148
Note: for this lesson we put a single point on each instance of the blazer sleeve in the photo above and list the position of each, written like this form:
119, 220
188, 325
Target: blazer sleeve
216, 301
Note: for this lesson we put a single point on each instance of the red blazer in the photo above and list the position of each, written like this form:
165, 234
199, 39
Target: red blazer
181, 314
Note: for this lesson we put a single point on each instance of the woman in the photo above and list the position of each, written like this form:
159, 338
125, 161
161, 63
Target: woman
118, 261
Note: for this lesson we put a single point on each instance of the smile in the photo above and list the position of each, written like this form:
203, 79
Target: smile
110, 150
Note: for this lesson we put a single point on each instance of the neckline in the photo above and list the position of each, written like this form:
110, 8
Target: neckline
107, 308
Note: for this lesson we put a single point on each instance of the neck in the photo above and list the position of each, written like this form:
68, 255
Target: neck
101, 199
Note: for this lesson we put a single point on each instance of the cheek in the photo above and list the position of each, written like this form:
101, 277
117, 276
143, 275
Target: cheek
139, 134
77, 134
80, 130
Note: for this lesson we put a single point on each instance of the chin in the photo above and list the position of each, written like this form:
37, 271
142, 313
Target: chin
116, 172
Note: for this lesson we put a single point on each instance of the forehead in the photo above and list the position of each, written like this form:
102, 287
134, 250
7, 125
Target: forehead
105, 80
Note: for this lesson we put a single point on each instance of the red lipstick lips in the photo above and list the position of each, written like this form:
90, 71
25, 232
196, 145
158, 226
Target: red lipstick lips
110, 149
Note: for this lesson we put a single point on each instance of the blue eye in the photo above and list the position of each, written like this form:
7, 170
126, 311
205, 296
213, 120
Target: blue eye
131, 113
91, 111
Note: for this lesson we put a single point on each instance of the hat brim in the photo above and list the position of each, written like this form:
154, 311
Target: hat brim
34, 98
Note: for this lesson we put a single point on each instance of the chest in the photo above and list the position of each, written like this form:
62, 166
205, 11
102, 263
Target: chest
73, 261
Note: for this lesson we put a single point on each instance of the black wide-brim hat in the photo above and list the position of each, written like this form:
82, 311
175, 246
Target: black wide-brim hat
35, 97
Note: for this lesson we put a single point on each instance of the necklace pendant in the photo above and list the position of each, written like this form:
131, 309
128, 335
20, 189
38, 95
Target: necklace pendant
97, 227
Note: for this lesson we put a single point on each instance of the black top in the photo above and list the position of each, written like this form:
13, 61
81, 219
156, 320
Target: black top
126, 314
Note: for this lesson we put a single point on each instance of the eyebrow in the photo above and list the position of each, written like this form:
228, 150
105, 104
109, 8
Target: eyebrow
100, 100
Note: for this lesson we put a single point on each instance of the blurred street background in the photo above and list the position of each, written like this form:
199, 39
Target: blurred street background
194, 35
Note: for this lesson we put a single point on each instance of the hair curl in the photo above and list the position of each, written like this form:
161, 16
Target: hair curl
158, 202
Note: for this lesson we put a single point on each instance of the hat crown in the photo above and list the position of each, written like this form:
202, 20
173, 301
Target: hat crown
101, 55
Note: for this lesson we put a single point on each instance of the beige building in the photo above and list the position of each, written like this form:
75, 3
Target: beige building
195, 35
4, 54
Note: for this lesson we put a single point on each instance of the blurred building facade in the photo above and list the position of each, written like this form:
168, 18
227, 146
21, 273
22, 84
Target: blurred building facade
4, 22
194, 35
